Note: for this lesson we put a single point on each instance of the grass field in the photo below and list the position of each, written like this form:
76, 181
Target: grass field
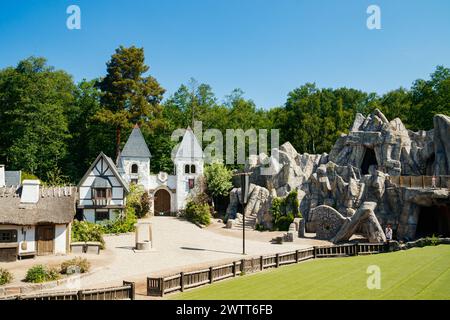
419, 273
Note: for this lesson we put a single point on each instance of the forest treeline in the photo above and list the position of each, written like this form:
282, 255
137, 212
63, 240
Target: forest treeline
53, 128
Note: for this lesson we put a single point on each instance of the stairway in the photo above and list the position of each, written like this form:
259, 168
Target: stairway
250, 222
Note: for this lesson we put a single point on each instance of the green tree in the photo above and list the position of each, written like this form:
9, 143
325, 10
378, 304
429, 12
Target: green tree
34, 99
127, 95
218, 179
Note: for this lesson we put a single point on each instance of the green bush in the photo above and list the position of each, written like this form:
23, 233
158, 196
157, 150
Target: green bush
87, 231
82, 264
145, 205
198, 213
5, 276
40, 273
122, 224
284, 210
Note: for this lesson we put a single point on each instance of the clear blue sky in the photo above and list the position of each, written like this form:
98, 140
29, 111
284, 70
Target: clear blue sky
266, 48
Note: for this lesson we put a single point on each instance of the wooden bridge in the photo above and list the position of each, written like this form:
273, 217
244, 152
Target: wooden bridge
421, 182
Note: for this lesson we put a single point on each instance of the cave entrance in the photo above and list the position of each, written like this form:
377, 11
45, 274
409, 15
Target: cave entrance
370, 159
429, 169
433, 220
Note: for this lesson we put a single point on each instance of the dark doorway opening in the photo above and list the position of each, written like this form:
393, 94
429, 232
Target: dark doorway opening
429, 170
433, 220
370, 159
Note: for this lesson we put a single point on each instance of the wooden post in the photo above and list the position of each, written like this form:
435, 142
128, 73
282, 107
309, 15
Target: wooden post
423, 182
296, 256
80, 295
261, 261
356, 249
182, 281
211, 280
161, 286
132, 289
242, 266
277, 256
314, 251
234, 268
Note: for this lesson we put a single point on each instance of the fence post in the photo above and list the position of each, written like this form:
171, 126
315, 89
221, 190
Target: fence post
80, 295
234, 268
261, 261
296, 256
356, 249
277, 260
161, 286
211, 280
242, 265
132, 289
314, 252
182, 281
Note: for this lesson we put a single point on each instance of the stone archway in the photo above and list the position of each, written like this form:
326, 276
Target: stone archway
161, 201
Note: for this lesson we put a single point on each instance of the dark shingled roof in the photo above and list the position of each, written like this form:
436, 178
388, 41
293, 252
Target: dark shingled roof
136, 145
55, 206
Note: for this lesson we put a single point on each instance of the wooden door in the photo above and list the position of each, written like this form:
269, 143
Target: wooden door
45, 240
162, 201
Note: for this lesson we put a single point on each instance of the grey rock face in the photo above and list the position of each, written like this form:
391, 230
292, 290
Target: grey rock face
364, 166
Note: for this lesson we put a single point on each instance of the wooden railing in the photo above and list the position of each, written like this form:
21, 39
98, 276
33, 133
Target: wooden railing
421, 182
124, 292
159, 286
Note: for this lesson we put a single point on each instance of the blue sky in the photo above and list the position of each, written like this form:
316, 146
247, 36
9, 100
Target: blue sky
265, 47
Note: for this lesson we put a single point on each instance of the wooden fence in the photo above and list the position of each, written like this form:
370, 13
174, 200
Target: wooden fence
124, 292
421, 182
159, 286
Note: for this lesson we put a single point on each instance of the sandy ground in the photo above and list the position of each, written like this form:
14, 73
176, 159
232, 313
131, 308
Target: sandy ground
179, 245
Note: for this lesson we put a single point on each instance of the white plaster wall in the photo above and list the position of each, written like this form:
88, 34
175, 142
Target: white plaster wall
28, 236
60, 239
182, 180
2, 175
143, 174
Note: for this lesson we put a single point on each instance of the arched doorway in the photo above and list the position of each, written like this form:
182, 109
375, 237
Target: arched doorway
162, 201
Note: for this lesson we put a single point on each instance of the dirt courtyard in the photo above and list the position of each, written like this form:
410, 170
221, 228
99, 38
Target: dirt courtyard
178, 245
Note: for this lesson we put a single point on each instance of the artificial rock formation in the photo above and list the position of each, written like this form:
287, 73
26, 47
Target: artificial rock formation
366, 165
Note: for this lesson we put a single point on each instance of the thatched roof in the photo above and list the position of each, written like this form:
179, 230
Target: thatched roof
55, 206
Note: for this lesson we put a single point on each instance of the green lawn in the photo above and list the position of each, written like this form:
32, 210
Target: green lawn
419, 273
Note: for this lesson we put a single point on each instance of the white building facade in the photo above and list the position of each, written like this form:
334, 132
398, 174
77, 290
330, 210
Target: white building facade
101, 192
103, 189
168, 192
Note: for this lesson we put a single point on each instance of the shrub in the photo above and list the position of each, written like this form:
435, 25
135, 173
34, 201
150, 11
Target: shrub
87, 231
145, 205
122, 224
5, 276
198, 213
284, 210
81, 264
40, 273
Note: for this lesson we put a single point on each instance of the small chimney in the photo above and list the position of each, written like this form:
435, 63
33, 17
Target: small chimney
2, 175
30, 191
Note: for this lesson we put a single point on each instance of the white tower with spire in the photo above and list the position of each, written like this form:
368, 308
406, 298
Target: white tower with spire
134, 160
188, 162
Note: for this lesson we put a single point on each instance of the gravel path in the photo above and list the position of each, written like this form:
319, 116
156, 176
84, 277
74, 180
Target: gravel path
178, 245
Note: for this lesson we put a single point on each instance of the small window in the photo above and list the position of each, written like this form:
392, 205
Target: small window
134, 168
101, 215
192, 168
191, 184
102, 193
8, 236
186, 168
